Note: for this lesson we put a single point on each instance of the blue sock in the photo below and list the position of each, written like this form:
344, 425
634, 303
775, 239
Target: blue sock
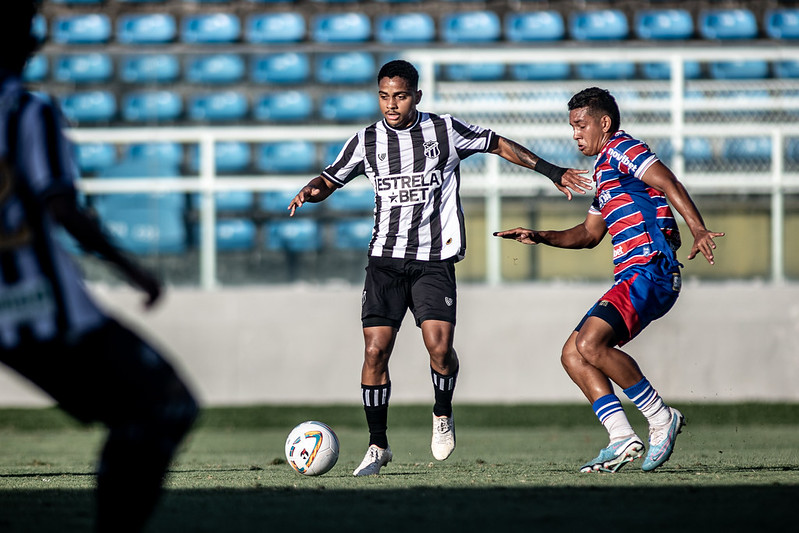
649, 402
610, 413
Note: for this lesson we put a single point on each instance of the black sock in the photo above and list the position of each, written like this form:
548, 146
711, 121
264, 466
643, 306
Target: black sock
375, 405
444, 387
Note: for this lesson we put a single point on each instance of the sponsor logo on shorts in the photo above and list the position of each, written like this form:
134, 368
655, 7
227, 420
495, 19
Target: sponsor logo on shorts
363, 298
676, 282
449, 301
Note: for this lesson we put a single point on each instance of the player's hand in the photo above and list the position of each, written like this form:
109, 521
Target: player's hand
703, 243
302, 197
523, 235
576, 181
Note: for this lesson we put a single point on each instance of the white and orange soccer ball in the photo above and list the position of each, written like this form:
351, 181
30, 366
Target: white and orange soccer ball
312, 448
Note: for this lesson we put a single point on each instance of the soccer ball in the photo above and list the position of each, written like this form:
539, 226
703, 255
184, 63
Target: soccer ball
312, 448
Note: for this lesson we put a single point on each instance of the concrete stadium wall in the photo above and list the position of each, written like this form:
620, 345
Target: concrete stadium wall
303, 344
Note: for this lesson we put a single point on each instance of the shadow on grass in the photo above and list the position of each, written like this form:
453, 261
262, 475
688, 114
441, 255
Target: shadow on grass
683, 508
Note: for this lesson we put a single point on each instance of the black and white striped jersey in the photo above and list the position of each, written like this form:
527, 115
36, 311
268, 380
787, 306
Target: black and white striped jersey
41, 292
415, 173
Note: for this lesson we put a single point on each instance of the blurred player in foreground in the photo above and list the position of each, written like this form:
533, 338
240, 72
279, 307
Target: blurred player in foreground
413, 160
632, 189
51, 331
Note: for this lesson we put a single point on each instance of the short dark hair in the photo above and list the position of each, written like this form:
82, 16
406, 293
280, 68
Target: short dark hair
17, 43
400, 68
599, 102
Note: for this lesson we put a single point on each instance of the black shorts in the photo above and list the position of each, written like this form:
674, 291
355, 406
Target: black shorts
393, 286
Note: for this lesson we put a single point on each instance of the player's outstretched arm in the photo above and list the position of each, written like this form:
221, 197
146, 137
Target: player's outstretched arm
585, 235
317, 190
566, 180
663, 179
88, 232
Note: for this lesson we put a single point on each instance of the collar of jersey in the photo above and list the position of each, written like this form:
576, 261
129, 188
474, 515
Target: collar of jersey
418, 119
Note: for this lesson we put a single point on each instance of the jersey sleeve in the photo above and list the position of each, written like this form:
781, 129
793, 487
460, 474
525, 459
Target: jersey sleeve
594, 208
633, 157
348, 164
469, 139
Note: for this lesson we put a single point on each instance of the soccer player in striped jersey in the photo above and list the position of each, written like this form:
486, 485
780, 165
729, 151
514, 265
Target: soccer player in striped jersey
632, 189
412, 159
51, 331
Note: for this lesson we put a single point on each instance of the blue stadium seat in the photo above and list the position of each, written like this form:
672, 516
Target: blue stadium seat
278, 201
36, 69
81, 29
210, 28
143, 1
475, 71
659, 24
727, 24
287, 106
83, 68
534, 26
217, 106
608, 70
144, 106
234, 234
227, 201
287, 67
599, 25
229, 156
341, 28
95, 156
662, 71
353, 234
786, 69
167, 153
346, 68
216, 68
90, 106
747, 150
39, 27
295, 235
145, 223
149, 68
349, 106
330, 152
782, 23
696, 151
275, 28
147, 28
737, 70
139, 167
470, 27
352, 199
77, 1
405, 28
286, 156
540, 71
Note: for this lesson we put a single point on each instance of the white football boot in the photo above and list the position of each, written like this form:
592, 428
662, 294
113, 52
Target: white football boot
375, 459
443, 442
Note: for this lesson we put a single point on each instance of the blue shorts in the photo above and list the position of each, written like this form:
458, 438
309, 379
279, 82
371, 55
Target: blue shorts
642, 294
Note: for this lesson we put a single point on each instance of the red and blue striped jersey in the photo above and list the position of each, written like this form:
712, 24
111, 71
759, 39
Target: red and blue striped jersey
627, 204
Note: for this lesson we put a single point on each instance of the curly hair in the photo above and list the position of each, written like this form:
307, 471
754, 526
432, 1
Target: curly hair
400, 69
599, 102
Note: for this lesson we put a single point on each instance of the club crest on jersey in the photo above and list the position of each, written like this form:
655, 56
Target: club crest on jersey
381, 157
431, 150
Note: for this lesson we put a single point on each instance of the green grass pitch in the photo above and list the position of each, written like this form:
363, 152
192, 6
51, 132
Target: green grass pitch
735, 468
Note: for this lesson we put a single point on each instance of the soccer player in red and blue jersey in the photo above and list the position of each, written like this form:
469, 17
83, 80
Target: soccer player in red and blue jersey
632, 189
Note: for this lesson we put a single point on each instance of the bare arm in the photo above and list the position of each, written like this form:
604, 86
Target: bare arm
564, 179
585, 235
317, 190
661, 178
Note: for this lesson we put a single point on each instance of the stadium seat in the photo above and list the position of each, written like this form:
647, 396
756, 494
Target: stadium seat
786, 69
353, 234
470, 27
405, 28
227, 201
662, 71
149, 68
83, 68
738, 70
150, 28
288, 106
278, 201
330, 152
352, 199
210, 28
475, 71
540, 71
143, 1
286, 156
36, 69
234, 234
696, 151
752, 150
341, 28
140, 168
81, 29
88, 107
39, 27
70, 2
287, 67
349, 106
599, 25
95, 156
295, 235
216, 68
534, 26
275, 28
345, 68
164, 152
229, 156
160, 105
782, 23
217, 106
727, 24
664, 24
608, 70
